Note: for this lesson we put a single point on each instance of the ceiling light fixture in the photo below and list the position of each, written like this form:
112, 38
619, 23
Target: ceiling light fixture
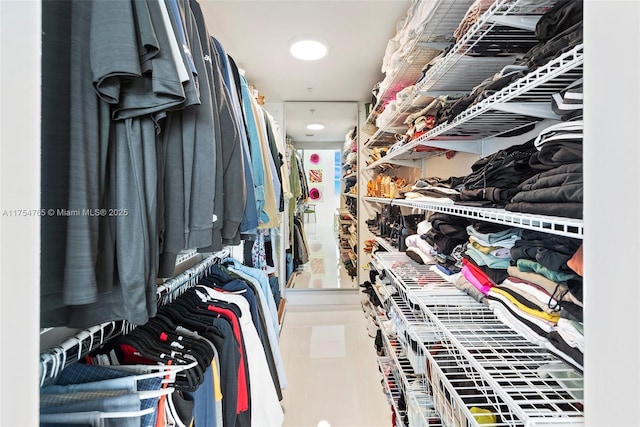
315, 126
308, 48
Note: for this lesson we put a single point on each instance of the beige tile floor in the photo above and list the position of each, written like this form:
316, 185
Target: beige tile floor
330, 360
332, 373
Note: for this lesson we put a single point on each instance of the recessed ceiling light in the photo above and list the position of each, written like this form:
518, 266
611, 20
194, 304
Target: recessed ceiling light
308, 48
315, 126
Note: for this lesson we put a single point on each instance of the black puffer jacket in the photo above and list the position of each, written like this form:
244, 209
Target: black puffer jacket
495, 178
556, 192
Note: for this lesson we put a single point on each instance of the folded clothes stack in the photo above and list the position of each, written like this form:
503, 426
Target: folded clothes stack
557, 188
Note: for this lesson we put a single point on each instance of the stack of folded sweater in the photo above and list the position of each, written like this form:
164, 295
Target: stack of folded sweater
559, 30
495, 179
557, 188
543, 287
486, 258
434, 188
448, 237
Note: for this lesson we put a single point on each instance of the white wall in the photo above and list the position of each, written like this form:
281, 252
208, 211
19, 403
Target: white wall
19, 189
612, 213
459, 165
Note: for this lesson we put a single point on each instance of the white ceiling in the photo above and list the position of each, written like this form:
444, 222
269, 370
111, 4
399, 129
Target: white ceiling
257, 34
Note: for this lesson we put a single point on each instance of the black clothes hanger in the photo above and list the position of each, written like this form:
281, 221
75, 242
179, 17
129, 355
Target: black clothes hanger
193, 297
191, 344
191, 306
146, 345
218, 330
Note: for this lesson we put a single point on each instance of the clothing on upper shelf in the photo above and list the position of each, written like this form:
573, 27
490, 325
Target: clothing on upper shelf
505, 40
472, 15
568, 103
433, 187
494, 179
558, 30
555, 192
557, 187
408, 31
558, 145
483, 90
550, 251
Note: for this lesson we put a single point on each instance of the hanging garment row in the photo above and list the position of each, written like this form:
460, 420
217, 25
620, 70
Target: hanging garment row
209, 357
74, 348
152, 143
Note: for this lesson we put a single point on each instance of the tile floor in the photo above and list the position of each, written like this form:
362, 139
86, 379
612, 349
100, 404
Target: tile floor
330, 360
332, 373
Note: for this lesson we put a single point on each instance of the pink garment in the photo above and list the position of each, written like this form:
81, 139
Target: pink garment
466, 272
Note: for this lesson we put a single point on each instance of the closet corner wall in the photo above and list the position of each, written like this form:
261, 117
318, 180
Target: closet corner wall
20, 32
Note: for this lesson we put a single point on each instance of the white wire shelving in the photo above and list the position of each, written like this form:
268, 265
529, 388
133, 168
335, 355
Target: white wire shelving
385, 244
443, 19
473, 360
511, 21
569, 227
520, 104
392, 388
461, 69
402, 157
397, 364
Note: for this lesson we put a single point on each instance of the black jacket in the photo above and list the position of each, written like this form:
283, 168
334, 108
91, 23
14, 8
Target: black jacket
556, 192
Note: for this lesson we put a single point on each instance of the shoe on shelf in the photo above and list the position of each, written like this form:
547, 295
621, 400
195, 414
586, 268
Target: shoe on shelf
372, 328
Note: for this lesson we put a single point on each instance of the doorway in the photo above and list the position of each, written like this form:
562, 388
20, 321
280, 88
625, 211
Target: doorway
325, 269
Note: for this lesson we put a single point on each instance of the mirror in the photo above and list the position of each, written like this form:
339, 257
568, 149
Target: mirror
322, 154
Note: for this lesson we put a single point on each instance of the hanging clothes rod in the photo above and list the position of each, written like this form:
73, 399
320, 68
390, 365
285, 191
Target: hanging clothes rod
74, 348
189, 278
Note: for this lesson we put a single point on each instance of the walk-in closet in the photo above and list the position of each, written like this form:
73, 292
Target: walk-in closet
424, 216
